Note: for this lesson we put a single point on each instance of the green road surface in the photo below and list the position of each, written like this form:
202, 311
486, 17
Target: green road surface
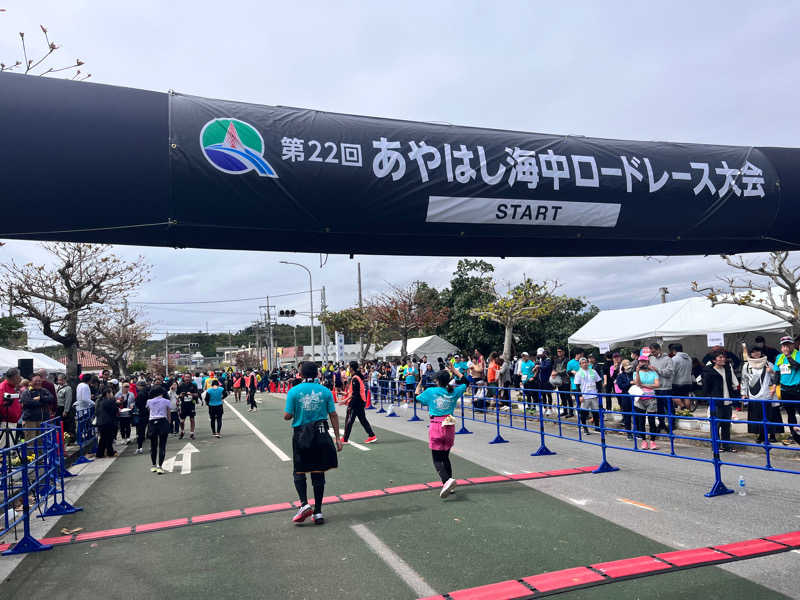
481, 535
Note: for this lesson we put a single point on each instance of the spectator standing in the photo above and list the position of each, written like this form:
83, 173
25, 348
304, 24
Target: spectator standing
719, 381
646, 404
586, 379
64, 403
572, 368
559, 380
622, 383
36, 403
682, 380
662, 365
770, 353
50, 387
544, 368
125, 401
526, 372
787, 369
610, 373
758, 389
158, 427
107, 416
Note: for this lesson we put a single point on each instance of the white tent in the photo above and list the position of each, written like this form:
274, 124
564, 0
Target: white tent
688, 320
431, 346
8, 359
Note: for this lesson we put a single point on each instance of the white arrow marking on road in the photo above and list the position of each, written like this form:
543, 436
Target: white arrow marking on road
580, 502
185, 461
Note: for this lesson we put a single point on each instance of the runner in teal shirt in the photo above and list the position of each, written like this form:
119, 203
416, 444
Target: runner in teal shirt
308, 403
439, 401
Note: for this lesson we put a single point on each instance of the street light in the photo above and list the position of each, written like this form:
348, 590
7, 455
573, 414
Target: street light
311, 300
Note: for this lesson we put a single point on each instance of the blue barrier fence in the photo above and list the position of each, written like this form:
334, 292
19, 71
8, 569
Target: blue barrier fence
565, 415
32, 472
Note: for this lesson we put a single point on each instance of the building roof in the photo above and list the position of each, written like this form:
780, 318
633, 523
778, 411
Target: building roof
87, 360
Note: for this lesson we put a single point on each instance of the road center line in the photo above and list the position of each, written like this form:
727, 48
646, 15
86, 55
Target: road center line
637, 504
278, 452
359, 446
397, 564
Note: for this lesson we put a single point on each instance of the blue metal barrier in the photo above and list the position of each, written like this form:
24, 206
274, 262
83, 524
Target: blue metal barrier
561, 402
85, 434
31, 478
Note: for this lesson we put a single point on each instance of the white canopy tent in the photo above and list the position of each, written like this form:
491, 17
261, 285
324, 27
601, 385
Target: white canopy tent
431, 346
9, 358
688, 320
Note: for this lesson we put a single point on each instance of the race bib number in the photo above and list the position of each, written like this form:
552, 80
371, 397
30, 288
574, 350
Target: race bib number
785, 370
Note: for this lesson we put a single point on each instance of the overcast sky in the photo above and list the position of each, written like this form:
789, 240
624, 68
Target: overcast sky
709, 72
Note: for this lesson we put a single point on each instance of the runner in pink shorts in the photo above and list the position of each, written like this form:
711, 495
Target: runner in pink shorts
441, 401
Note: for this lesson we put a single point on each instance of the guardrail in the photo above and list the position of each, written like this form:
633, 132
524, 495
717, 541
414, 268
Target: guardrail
545, 412
32, 473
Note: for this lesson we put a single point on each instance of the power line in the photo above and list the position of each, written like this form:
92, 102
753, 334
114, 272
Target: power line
232, 300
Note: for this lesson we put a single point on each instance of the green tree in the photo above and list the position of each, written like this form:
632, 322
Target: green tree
11, 331
552, 330
407, 311
470, 288
526, 302
354, 323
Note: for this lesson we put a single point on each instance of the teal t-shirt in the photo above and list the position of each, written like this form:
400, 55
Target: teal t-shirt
215, 395
462, 367
411, 375
526, 368
648, 378
573, 365
309, 402
789, 376
439, 401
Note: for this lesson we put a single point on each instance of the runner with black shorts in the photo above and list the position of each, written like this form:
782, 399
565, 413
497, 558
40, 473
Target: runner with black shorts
309, 405
188, 395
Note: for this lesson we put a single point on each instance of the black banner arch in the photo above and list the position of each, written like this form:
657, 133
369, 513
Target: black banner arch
88, 162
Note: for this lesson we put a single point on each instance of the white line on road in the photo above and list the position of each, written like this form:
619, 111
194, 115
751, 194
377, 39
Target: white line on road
278, 452
579, 502
397, 564
359, 446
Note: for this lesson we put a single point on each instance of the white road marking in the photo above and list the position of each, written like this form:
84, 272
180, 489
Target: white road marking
185, 461
507, 473
581, 502
278, 452
397, 564
351, 443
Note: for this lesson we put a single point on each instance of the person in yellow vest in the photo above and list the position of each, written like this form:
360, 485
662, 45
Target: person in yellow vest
356, 400
787, 371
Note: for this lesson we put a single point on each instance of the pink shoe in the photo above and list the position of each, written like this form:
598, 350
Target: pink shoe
644, 445
653, 446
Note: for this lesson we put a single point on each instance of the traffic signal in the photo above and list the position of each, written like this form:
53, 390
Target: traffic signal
287, 313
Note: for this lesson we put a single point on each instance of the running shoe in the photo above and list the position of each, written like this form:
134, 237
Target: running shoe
139, 451
181, 436
371, 439
447, 488
344, 441
653, 446
160, 471
191, 436
302, 514
318, 519
153, 469
644, 445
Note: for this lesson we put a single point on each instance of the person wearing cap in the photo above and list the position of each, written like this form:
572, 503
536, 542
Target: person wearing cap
646, 404
787, 369
544, 368
586, 378
526, 371
719, 381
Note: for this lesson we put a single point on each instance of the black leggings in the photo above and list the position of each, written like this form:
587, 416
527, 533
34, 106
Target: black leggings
441, 460
651, 420
251, 398
215, 414
317, 482
125, 428
141, 430
158, 441
356, 410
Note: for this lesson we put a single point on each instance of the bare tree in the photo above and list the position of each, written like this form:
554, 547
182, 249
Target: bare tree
528, 301
406, 311
776, 289
363, 322
81, 278
33, 64
113, 333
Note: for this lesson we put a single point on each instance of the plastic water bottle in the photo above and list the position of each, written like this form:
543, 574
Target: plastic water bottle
742, 488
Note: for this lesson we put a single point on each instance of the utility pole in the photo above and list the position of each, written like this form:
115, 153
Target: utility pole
663, 291
258, 344
360, 310
295, 345
323, 329
166, 354
269, 337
